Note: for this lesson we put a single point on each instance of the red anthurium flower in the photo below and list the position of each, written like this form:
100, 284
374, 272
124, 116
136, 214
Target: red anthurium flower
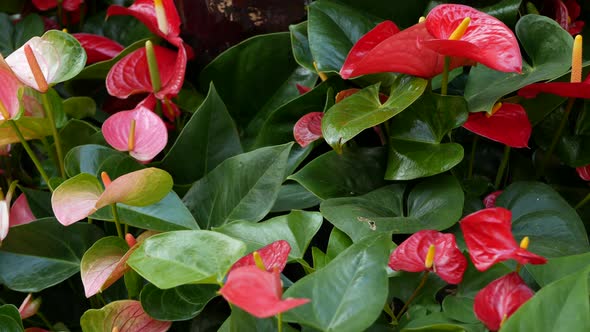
302, 89
584, 172
509, 124
139, 131
273, 256
448, 261
490, 200
257, 292
566, 14
308, 128
489, 238
160, 16
68, 5
420, 49
500, 299
98, 48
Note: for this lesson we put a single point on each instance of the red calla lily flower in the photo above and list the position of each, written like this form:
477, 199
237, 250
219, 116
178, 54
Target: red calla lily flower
308, 128
98, 48
584, 172
273, 256
257, 292
449, 263
509, 125
489, 238
67, 5
500, 299
139, 131
490, 200
167, 25
420, 49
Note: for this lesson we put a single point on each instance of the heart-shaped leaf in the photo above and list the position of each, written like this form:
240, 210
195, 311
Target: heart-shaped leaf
435, 203
550, 58
59, 54
208, 138
178, 303
93, 159
124, 316
358, 271
243, 187
415, 135
75, 199
553, 226
297, 228
293, 196
194, 256
352, 173
10, 319
557, 268
364, 109
300, 45
54, 257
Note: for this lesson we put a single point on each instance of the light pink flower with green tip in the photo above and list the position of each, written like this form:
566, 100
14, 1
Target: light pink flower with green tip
9, 87
81, 195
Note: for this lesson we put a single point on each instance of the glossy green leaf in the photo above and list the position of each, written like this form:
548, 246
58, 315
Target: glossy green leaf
101, 265
438, 322
403, 13
293, 196
29, 27
337, 243
415, 136
241, 321
44, 253
31, 128
194, 256
93, 159
337, 289
557, 268
10, 320
332, 29
140, 188
208, 138
506, 11
460, 309
355, 172
550, 58
168, 214
553, 226
300, 45
248, 91
178, 303
6, 34
76, 133
364, 110
297, 228
560, 306
39, 202
79, 107
435, 203
243, 187
124, 313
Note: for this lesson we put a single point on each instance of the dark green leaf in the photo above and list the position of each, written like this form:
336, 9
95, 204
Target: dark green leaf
76, 133
403, 13
10, 319
557, 268
300, 45
79, 107
29, 27
178, 303
6, 34
93, 159
293, 196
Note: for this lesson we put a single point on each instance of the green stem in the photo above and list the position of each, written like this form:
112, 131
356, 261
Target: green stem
472, 157
444, 84
557, 136
30, 152
117, 221
502, 167
583, 202
280, 322
56, 140
413, 296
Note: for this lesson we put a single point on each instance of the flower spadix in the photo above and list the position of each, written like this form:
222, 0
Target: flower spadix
420, 49
433, 251
508, 124
139, 131
576, 88
81, 195
52, 58
488, 236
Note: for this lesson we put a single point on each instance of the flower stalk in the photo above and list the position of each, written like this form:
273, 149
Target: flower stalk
30, 152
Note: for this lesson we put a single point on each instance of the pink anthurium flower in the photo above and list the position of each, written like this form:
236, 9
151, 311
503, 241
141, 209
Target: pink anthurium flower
509, 124
308, 128
9, 87
273, 256
490, 200
80, 196
160, 17
98, 48
584, 172
420, 49
489, 239
139, 131
123, 316
412, 255
20, 212
67, 5
29, 307
257, 292
500, 299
